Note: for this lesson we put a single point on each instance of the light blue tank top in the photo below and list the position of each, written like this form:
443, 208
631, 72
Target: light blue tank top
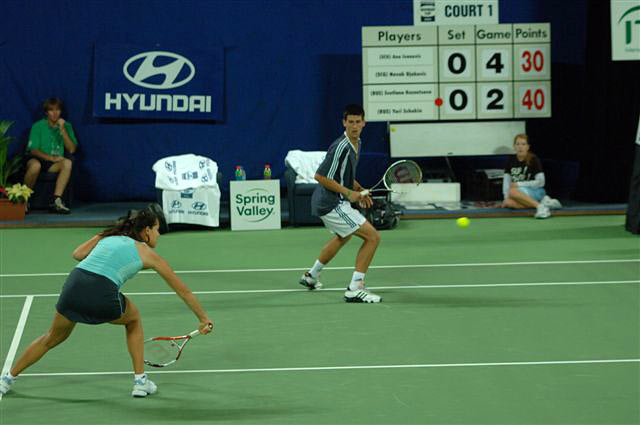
115, 257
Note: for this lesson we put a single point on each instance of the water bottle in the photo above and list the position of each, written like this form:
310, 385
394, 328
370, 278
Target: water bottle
267, 172
243, 175
238, 172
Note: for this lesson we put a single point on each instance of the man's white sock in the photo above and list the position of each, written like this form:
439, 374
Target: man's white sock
357, 281
316, 269
140, 376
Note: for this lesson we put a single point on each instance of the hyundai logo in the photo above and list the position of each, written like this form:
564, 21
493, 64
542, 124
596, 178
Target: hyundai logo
171, 71
176, 204
200, 206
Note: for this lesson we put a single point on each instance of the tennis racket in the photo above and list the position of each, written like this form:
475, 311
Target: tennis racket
161, 351
403, 171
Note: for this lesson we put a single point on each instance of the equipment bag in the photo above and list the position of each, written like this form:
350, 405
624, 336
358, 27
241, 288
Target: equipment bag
383, 214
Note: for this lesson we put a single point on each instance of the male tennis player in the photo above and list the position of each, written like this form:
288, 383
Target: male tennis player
91, 293
331, 201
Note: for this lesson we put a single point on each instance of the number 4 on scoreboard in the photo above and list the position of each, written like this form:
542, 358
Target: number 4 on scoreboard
495, 63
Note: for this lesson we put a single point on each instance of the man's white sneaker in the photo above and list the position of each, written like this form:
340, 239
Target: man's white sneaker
309, 281
361, 296
6, 383
143, 387
59, 207
542, 211
551, 203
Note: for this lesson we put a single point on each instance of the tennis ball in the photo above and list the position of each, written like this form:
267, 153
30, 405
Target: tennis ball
463, 222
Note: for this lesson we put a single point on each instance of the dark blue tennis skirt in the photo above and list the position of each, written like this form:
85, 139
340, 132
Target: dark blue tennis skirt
90, 298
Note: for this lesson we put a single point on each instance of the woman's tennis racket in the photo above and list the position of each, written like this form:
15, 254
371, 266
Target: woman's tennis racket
161, 351
403, 171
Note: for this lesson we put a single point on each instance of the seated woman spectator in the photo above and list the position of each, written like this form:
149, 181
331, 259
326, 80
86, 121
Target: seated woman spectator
523, 184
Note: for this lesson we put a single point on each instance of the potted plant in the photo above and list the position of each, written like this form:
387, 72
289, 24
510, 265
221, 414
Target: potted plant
14, 197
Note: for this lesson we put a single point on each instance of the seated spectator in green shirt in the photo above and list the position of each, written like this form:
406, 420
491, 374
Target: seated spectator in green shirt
48, 140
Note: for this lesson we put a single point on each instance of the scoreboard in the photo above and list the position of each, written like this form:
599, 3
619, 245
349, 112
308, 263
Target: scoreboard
458, 72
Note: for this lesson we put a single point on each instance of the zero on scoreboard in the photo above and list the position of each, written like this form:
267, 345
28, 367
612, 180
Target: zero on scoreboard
462, 72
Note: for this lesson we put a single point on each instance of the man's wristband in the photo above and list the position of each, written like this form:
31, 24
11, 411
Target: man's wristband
348, 194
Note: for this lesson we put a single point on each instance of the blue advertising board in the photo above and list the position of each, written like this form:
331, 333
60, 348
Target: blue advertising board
153, 83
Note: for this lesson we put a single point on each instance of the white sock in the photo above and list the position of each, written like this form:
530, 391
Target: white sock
316, 269
356, 281
140, 376
10, 376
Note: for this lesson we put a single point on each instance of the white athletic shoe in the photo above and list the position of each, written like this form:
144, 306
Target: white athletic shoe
6, 383
143, 387
309, 281
551, 203
361, 296
542, 211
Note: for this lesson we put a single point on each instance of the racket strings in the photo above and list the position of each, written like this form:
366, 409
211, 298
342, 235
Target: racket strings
405, 172
161, 351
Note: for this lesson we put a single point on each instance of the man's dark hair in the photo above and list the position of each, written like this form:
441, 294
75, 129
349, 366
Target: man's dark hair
353, 109
51, 102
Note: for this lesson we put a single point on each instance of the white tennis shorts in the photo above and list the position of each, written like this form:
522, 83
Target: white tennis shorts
343, 220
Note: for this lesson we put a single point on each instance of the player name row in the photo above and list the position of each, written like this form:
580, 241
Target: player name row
429, 75
458, 101
456, 34
418, 92
459, 63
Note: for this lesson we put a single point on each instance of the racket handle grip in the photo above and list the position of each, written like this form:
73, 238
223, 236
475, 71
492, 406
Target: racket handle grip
365, 192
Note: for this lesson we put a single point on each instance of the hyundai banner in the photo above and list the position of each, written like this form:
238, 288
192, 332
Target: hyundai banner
158, 83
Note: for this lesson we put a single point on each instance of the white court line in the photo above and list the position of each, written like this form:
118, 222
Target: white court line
355, 367
272, 291
403, 266
13, 349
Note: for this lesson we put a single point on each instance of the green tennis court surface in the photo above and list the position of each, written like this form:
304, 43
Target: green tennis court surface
510, 321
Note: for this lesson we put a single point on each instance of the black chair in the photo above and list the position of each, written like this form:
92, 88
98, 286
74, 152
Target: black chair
299, 200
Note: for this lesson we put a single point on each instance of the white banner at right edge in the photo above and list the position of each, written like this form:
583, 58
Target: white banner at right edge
625, 30
638, 134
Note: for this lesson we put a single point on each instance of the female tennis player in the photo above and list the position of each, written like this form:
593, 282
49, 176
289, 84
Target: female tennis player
91, 293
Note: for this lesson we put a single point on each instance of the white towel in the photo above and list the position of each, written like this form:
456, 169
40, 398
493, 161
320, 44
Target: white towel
187, 171
192, 206
305, 164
